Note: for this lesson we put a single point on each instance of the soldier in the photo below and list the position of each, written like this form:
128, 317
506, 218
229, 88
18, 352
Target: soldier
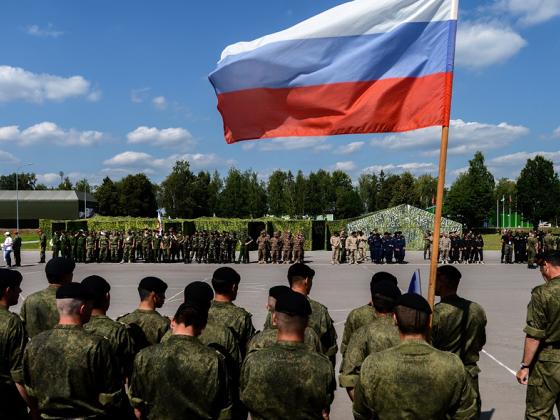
388, 246
362, 247
103, 248
458, 325
166, 247
100, 324
13, 397
71, 373
178, 241
181, 378
549, 242
55, 244
194, 243
335, 246
380, 334
343, 256
90, 247
532, 247
16, 247
539, 367
157, 246
287, 245
444, 248
428, 244
400, 247
38, 311
363, 315
261, 247
223, 311
128, 248
42, 245
286, 378
352, 247
81, 247
391, 381
275, 248
147, 246
187, 248
244, 250
147, 326
508, 247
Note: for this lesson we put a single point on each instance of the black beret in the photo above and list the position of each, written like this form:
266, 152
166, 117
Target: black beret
199, 291
387, 289
97, 286
73, 291
293, 303
153, 284
9, 278
59, 266
300, 270
383, 276
450, 272
414, 301
227, 274
276, 291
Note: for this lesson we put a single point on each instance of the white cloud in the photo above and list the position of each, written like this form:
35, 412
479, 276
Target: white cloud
346, 166
413, 167
50, 179
293, 143
556, 133
7, 158
48, 132
149, 164
138, 96
167, 137
481, 44
530, 12
48, 32
349, 148
520, 158
464, 138
19, 84
160, 102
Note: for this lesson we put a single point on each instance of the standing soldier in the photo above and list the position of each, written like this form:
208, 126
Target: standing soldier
532, 247
187, 247
444, 248
90, 247
42, 245
55, 244
103, 247
128, 248
335, 246
299, 246
549, 242
157, 246
166, 247
428, 238
275, 248
362, 247
261, 247
343, 255
80, 247
194, 247
147, 246
352, 247
244, 249
287, 247
16, 247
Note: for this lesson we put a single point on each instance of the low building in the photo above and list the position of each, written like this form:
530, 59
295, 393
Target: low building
48, 204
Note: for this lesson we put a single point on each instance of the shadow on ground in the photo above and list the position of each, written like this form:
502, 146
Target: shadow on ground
487, 415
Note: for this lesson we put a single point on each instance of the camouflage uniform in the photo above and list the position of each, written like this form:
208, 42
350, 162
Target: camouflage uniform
262, 243
287, 245
180, 379
237, 319
128, 246
146, 327
73, 374
43, 245
543, 323
165, 247
119, 337
459, 326
39, 312
12, 344
103, 248
393, 385
356, 319
90, 248
279, 381
379, 335
156, 248
80, 248
275, 248
147, 247
267, 338
532, 245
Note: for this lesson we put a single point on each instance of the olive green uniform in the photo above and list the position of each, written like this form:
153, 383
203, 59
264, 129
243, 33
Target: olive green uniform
181, 379
543, 323
12, 344
287, 381
356, 319
459, 326
43, 245
39, 311
237, 319
394, 383
532, 244
268, 337
145, 326
379, 335
73, 374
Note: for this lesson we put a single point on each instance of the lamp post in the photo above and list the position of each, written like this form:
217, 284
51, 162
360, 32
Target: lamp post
17, 194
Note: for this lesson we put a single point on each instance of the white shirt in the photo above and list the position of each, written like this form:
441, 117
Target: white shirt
7, 244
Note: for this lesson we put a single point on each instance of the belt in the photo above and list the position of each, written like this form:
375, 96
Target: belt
555, 346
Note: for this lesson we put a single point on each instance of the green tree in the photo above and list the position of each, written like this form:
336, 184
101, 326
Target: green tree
470, 198
65, 185
176, 192
137, 196
256, 195
367, 189
319, 197
107, 196
277, 193
387, 188
232, 202
425, 188
538, 188
347, 203
26, 181
404, 191
299, 196
83, 186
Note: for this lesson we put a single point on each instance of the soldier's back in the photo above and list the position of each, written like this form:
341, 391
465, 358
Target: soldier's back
180, 378
321, 321
393, 385
268, 337
147, 327
237, 319
39, 311
356, 319
284, 379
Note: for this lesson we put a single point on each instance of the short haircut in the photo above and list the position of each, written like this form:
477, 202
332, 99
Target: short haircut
383, 304
412, 321
552, 257
291, 323
451, 274
68, 306
144, 294
9, 279
223, 280
381, 276
191, 315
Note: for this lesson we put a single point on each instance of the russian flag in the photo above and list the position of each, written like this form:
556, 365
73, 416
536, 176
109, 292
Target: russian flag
362, 67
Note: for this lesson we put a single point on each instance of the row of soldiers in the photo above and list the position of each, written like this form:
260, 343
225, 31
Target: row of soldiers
455, 248
281, 248
353, 248
520, 247
209, 361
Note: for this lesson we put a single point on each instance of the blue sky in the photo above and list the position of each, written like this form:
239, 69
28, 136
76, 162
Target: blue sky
96, 88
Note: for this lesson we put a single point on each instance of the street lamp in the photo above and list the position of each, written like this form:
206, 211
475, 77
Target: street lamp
17, 194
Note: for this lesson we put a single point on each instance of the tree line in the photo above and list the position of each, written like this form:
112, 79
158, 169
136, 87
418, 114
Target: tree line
471, 199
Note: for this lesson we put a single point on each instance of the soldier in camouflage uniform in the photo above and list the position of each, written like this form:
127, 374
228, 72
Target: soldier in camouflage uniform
128, 248
212, 248
363, 315
166, 247
532, 247
38, 311
42, 245
458, 325
262, 243
275, 247
148, 326
299, 246
69, 372
81, 247
103, 248
540, 366
378, 335
157, 244
100, 324
182, 378
90, 247
147, 246
13, 339
179, 243
223, 311
394, 383
56, 245
287, 245
549, 242
194, 247
286, 378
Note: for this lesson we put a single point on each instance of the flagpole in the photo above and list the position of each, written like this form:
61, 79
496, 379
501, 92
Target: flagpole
498, 213
437, 220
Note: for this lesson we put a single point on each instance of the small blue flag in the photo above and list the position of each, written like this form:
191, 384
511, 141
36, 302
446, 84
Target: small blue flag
415, 285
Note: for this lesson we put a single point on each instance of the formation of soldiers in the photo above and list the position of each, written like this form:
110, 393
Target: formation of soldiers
455, 248
520, 247
281, 248
353, 248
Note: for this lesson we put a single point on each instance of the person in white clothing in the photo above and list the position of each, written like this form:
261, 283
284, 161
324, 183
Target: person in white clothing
7, 247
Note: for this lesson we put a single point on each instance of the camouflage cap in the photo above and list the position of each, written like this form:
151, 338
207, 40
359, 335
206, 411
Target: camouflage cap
293, 303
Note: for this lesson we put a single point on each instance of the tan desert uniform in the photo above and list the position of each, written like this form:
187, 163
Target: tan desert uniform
335, 245
351, 247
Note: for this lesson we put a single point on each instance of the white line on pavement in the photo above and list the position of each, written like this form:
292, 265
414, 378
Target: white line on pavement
500, 363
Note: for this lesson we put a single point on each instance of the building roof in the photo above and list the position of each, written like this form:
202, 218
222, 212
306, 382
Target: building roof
45, 195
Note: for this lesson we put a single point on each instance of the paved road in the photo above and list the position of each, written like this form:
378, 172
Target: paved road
503, 290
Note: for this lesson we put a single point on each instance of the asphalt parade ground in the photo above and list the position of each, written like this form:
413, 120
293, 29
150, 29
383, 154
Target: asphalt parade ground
502, 290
